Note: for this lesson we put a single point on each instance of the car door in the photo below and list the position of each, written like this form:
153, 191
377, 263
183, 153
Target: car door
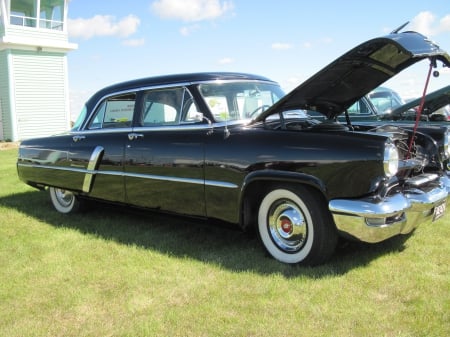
164, 155
97, 152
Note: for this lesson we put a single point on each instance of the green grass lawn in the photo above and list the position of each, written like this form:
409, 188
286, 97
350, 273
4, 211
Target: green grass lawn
110, 272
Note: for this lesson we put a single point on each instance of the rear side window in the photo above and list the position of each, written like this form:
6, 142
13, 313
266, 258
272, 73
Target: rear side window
168, 106
114, 112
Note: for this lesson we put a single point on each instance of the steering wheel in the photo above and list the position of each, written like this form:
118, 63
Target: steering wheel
262, 108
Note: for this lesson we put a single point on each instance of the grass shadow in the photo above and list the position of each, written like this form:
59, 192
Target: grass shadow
190, 238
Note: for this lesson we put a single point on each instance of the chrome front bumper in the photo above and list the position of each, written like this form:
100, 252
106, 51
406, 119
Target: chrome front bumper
374, 219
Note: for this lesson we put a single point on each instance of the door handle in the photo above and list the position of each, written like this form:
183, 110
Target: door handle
134, 136
77, 138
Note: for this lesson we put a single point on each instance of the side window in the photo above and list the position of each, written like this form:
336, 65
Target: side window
239, 101
114, 112
219, 107
169, 106
162, 107
358, 108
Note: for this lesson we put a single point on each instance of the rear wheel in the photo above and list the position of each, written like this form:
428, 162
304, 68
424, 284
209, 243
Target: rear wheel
64, 201
295, 226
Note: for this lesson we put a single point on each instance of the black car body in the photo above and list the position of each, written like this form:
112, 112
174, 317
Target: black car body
233, 147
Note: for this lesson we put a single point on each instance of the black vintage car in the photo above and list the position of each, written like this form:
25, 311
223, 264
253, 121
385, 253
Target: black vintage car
234, 147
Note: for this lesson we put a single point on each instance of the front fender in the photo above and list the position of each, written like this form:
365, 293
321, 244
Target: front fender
283, 177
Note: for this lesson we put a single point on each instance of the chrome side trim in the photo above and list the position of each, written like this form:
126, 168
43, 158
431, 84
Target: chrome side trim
214, 183
93, 163
49, 167
182, 180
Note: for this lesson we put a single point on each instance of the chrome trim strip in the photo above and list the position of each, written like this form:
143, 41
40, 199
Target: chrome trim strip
58, 168
182, 180
173, 128
214, 183
94, 160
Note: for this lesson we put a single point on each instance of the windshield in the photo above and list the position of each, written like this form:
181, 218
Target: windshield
80, 119
385, 100
232, 101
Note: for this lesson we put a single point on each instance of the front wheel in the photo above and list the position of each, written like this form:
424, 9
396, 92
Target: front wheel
295, 226
64, 201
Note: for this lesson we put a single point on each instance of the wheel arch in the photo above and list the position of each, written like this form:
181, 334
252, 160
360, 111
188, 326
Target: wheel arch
258, 183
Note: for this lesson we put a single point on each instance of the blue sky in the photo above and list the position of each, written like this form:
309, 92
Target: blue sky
285, 40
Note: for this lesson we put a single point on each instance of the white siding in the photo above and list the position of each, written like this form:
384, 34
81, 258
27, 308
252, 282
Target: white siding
38, 36
40, 93
2, 137
5, 106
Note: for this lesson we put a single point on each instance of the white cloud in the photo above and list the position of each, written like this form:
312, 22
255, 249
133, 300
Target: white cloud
134, 42
281, 46
188, 30
426, 23
423, 23
103, 25
226, 60
317, 43
444, 24
192, 10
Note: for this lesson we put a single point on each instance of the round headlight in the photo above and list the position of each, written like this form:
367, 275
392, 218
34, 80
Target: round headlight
390, 160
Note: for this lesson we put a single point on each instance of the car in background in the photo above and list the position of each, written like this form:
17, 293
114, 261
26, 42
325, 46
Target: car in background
361, 110
233, 147
376, 105
385, 100
436, 107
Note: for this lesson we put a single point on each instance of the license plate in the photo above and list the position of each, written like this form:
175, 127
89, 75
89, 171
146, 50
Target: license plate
439, 211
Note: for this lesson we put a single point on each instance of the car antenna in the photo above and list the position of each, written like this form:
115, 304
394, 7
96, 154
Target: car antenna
395, 31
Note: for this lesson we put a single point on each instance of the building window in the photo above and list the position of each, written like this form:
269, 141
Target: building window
51, 14
25, 13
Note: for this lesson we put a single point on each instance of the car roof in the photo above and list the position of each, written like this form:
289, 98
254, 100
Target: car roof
340, 84
173, 79
384, 90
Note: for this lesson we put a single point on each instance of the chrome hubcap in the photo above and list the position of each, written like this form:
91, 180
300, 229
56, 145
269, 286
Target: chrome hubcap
287, 226
65, 198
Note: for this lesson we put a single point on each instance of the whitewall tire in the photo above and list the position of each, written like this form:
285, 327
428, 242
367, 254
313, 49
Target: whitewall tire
295, 226
64, 201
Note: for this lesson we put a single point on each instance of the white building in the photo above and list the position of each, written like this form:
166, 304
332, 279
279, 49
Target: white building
34, 95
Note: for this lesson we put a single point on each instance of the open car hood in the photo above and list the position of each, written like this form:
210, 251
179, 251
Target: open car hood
433, 101
336, 87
